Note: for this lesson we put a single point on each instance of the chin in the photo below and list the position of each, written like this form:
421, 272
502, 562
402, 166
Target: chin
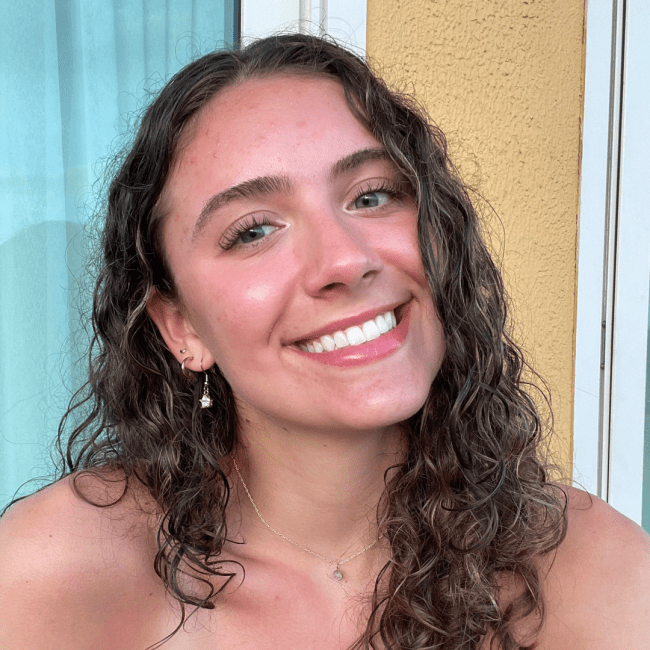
381, 414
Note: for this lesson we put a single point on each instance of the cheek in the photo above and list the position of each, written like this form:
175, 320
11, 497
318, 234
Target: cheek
401, 248
234, 317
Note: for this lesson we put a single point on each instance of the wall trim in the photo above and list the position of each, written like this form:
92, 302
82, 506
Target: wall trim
345, 20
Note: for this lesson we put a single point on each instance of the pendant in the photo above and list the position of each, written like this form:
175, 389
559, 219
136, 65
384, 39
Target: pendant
337, 575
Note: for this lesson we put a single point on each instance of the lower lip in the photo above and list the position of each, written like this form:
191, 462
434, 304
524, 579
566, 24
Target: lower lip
358, 355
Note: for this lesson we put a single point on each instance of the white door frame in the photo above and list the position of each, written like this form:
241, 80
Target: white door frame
345, 20
613, 256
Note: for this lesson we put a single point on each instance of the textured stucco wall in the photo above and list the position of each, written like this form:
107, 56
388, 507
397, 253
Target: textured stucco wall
504, 81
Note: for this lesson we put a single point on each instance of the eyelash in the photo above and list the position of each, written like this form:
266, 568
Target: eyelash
392, 190
232, 234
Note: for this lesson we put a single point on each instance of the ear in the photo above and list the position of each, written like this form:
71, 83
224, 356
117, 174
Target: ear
176, 330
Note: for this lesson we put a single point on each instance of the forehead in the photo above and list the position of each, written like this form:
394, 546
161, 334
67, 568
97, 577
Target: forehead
289, 126
272, 125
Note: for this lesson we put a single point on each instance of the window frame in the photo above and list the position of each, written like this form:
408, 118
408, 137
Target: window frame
613, 253
345, 20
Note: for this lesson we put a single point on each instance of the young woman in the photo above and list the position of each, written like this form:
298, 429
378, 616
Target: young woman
305, 425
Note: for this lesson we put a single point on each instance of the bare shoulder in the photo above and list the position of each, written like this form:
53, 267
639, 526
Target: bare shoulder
72, 573
597, 584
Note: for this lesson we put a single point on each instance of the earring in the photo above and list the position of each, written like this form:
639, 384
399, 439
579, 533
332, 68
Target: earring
183, 365
206, 400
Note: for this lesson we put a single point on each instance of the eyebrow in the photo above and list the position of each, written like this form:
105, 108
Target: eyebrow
357, 159
262, 186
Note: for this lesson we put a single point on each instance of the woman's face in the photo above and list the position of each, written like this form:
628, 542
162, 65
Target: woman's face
285, 227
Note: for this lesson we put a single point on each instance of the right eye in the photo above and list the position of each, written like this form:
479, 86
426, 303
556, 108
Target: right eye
246, 233
255, 234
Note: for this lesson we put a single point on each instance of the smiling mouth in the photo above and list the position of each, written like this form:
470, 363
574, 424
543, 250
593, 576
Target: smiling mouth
355, 335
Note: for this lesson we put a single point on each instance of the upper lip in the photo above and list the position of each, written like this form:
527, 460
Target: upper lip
344, 323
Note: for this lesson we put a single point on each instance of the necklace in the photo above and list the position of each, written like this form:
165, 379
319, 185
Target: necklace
337, 574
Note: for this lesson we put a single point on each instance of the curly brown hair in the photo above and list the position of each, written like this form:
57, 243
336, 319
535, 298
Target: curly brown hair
471, 503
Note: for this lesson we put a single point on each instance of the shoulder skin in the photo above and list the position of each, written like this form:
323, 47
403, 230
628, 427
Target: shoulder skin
74, 575
597, 585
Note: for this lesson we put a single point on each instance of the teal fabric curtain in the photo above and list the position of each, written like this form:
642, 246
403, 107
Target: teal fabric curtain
73, 76
645, 503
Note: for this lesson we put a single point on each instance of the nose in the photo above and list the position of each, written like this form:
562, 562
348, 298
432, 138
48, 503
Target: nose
338, 253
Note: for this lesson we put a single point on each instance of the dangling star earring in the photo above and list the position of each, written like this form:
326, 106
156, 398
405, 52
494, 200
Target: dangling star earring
206, 400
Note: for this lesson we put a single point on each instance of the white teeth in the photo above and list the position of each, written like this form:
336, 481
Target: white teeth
328, 343
341, 340
370, 330
383, 325
355, 335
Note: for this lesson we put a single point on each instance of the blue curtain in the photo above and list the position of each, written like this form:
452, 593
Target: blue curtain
73, 76
645, 503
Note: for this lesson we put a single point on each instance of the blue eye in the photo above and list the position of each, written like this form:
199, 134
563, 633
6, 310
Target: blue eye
255, 234
371, 200
246, 233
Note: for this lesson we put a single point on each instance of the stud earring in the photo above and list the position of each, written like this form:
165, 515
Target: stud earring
206, 400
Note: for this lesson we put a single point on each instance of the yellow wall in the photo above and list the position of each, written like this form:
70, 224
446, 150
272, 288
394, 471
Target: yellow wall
504, 81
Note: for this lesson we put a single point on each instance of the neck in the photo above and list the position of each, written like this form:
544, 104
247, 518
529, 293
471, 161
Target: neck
319, 489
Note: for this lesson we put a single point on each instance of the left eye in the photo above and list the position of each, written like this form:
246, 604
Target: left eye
371, 200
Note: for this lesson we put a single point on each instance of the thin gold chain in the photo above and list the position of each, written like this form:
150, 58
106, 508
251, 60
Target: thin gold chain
279, 534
